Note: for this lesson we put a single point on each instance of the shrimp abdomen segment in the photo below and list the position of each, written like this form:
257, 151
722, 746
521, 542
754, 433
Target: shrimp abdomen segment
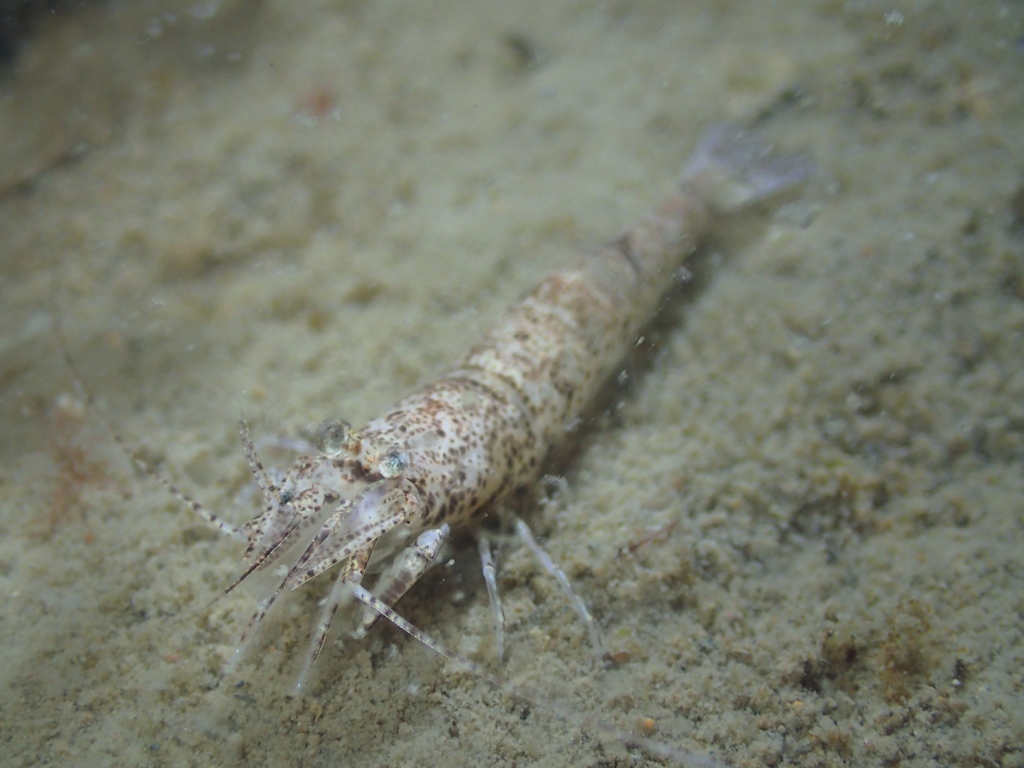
555, 348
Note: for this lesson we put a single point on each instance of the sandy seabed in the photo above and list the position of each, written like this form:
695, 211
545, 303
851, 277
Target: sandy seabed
799, 520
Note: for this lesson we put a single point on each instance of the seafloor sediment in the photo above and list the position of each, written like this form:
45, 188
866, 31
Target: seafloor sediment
798, 520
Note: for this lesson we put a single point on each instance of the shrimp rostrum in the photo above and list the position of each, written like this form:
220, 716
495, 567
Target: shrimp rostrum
382, 500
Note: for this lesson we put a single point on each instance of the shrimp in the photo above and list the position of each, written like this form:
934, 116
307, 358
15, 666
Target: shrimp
384, 499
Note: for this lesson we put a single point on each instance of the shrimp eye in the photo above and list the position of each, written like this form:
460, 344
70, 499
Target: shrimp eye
394, 463
332, 436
